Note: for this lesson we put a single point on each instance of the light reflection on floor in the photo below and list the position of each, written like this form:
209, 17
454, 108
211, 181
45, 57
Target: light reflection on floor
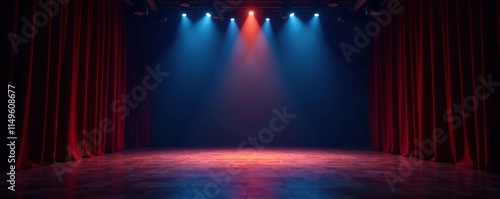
268, 173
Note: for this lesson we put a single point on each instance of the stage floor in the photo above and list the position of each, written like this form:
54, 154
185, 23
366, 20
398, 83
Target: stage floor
267, 173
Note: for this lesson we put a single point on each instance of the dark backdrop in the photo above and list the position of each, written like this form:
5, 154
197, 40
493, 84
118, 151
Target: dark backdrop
213, 97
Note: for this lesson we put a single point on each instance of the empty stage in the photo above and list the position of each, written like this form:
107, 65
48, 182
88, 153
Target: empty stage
267, 173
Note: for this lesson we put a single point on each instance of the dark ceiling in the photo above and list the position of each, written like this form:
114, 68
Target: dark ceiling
243, 5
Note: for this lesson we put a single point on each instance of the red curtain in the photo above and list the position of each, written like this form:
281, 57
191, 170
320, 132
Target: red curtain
435, 83
68, 72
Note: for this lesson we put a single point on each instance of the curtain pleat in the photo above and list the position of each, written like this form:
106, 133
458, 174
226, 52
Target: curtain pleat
67, 77
428, 93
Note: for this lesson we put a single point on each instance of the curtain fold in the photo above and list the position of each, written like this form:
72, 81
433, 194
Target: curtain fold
435, 83
67, 76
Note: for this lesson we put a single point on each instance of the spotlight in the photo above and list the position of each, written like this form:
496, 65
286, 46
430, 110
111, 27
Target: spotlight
210, 10
184, 15
292, 14
267, 19
251, 13
230, 16
316, 14
185, 3
333, 3
286, 10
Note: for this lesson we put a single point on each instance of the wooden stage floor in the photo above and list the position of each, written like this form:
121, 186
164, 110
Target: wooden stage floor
268, 173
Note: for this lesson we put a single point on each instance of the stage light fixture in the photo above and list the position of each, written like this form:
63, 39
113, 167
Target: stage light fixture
141, 8
212, 12
372, 9
333, 3
184, 15
251, 13
185, 3
286, 10
229, 15
316, 14
292, 14
267, 19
